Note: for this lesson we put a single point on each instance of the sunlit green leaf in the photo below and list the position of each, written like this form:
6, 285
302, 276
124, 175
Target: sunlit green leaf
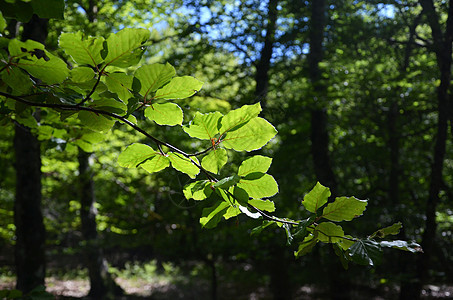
232, 211
179, 88
153, 77
183, 164
316, 198
203, 126
2, 22
344, 209
19, 82
215, 160
265, 205
306, 246
156, 163
259, 185
238, 117
252, 136
84, 51
125, 47
121, 84
135, 154
255, 164
51, 70
198, 190
165, 114
227, 182
82, 74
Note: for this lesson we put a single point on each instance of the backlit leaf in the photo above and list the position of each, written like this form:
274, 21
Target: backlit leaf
156, 163
179, 88
198, 190
344, 209
239, 117
135, 154
121, 84
259, 185
306, 246
227, 182
215, 160
125, 47
165, 114
82, 74
203, 126
316, 198
254, 164
265, 205
153, 77
211, 216
51, 70
84, 51
183, 164
95, 122
252, 136
329, 232
390, 230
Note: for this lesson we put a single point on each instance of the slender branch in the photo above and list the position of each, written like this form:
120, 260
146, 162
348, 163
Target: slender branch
93, 89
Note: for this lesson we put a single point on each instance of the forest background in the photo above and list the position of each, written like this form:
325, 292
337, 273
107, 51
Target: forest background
360, 93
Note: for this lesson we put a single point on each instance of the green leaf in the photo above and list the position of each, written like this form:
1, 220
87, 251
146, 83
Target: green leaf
301, 231
215, 160
121, 84
82, 74
259, 185
211, 216
183, 164
255, 164
95, 122
165, 114
109, 105
346, 243
252, 136
16, 47
83, 51
316, 198
179, 88
306, 246
265, 205
344, 209
232, 211
2, 22
402, 245
51, 70
366, 252
156, 163
329, 232
390, 230
198, 190
204, 126
125, 47
227, 182
153, 77
342, 255
19, 82
238, 117
259, 229
135, 154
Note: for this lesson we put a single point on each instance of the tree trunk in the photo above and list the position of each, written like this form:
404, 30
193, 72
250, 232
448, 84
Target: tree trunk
339, 285
263, 65
102, 285
30, 231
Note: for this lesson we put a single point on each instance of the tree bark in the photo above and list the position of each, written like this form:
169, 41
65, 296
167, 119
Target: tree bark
102, 285
30, 232
264, 63
443, 48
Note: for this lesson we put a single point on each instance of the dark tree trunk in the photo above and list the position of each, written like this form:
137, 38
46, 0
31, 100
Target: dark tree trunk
442, 45
102, 285
264, 63
339, 285
30, 231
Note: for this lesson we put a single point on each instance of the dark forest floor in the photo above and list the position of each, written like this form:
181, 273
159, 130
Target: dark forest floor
166, 290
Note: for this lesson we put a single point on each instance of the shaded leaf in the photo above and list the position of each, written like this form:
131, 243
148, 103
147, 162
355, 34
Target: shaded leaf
390, 230
366, 252
402, 245
329, 232
306, 246
211, 216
